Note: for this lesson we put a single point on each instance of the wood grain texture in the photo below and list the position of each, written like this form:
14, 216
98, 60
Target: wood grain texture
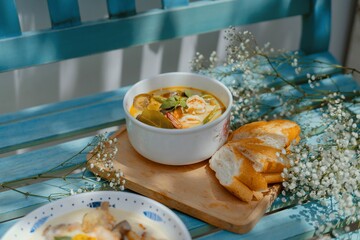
26, 128
192, 189
19, 167
61, 124
70, 118
34, 48
47, 109
57, 121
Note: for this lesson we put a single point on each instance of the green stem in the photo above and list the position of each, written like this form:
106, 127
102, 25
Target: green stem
352, 70
26, 194
281, 77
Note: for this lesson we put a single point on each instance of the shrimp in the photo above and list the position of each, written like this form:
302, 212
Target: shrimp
196, 104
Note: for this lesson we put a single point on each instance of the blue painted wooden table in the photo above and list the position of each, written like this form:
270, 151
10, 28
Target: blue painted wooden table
35, 126
58, 131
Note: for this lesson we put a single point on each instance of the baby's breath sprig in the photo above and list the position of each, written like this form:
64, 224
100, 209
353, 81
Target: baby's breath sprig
101, 163
78, 174
329, 168
325, 165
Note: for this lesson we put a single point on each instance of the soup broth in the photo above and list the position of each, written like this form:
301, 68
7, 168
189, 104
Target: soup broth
176, 107
100, 223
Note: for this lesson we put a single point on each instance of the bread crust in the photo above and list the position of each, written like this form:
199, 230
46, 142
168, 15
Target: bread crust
273, 177
275, 133
248, 175
240, 190
254, 157
264, 158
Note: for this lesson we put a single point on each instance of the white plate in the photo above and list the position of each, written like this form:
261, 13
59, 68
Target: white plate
157, 213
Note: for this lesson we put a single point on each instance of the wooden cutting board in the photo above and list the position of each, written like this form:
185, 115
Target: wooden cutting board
192, 189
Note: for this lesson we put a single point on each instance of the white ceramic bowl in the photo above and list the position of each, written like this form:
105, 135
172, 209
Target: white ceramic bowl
144, 209
178, 146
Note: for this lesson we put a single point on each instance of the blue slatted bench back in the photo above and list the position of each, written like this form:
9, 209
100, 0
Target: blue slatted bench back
70, 37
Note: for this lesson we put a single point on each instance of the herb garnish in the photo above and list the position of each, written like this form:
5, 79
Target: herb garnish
173, 102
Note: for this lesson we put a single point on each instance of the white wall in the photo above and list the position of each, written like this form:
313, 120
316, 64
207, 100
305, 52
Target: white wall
103, 72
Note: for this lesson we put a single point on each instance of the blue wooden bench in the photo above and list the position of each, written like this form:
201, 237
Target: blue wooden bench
69, 38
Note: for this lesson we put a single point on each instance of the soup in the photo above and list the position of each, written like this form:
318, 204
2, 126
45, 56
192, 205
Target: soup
176, 107
100, 223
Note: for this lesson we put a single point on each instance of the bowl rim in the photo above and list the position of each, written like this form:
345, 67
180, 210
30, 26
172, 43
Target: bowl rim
137, 196
186, 130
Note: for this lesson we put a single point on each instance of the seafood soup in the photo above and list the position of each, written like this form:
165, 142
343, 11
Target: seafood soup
176, 107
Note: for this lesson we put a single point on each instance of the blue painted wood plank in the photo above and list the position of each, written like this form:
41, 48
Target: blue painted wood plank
19, 167
15, 204
95, 116
167, 4
60, 125
297, 222
286, 70
190, 222
121, 8
316, 27
318, 64
105, 35
349, 236
47, 109
355, 108
9, 21
64, 13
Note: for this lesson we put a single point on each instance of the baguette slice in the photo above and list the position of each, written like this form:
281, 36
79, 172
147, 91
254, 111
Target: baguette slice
265, 159
258, 195
275, 133
273, 177
239, 190
232, 167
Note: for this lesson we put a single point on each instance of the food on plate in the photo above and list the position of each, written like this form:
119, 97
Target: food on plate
99, 224
254, 157
176, 107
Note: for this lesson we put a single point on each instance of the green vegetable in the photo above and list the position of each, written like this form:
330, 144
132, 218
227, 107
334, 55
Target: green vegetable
211, 115
154, 118
188, 93
62, 238
207, 96
173, 102
159, 99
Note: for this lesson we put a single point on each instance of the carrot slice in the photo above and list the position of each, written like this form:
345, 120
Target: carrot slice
175, 122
